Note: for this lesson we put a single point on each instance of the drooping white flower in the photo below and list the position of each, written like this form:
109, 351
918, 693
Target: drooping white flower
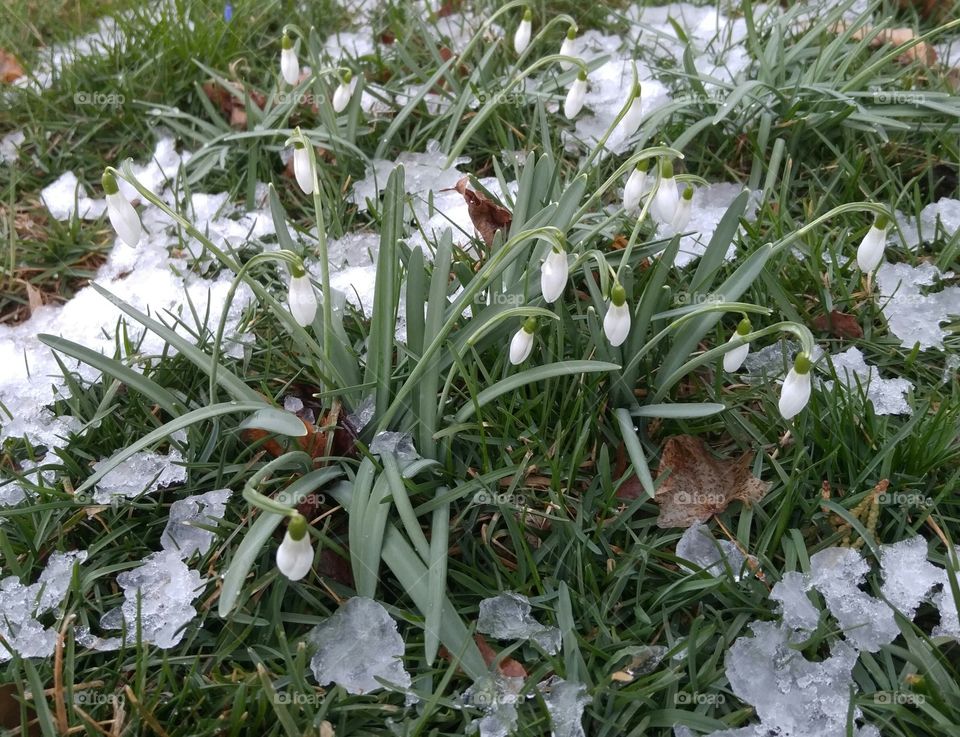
123, 217
575, 96
870, 251
636, 183
634, 116
569, 47
553, 275
522, 343
301, 297
343, 93
734, 358
521, 39
616, 323
684, 209
289, 64
295, 554
666, 199
301, 167
795, 392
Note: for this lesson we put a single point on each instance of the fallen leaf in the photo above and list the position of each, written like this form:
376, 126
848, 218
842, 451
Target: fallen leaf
696, 485
487, 216
922, 52
508, 666
233, 107
839, 324
34, 297
10, 69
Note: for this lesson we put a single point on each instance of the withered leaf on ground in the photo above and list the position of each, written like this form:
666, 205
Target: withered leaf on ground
922, 52
232, 106
10, 69
696, 485
508, 666
838, 324
487, 216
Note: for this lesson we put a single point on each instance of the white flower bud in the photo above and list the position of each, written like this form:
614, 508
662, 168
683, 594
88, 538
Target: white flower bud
684, 209
575, 97
343, 93
666, 199
553, 275
301, 298
295, 554
616, 323
521, 39
870, 251
302, 169
635, 186
522, 343
123, 217
795, 392
633, 117
569, 47
289, 64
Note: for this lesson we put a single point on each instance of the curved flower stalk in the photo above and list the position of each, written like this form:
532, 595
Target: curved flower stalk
616, 323
795, 392
301, 297
554, 274
522, 343
734, 358
635, 186
123, 217
521, 38
344, 91
666, 198
575, 97
295, 554
870, 251
289, 63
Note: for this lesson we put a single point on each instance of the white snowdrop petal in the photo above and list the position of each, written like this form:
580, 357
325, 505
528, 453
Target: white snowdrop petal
665, 201
302, 300
631, 121
633, 191
733, 359
124, 219
521, 39
295, 557
289, 66
302, 171
794, 394
616, 323
870, 251
575, 97
553, 276
520, 346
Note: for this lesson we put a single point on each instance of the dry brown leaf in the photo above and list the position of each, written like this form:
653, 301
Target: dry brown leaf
508, 666
34, 297
922, 52
10, 69
487, 216
696, 485
839, 324
232, 107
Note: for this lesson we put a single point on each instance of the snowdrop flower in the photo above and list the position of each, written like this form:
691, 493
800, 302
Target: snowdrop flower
300, 297
123, 217
578, 91
521, 39
733, 359
616, 323
666, 199
631, 121
636, 183
553, 275
289, 64
684, 209
295, 554
795, 392
569, 47
522, 343
343, 93
870, 252
301, 167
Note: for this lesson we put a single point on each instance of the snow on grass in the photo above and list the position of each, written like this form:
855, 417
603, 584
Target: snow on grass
913, 310
889, 396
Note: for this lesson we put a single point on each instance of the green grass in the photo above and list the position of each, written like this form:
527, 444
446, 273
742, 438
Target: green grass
811, 135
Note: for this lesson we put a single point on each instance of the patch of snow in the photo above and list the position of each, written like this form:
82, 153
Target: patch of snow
507, 617
21, 605
10, 147
944, 213
914, 313
565, 702
889, 396
184, 532
67, 196
142, 473
356, 645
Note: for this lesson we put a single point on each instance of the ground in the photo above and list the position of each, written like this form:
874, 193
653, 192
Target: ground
601, 539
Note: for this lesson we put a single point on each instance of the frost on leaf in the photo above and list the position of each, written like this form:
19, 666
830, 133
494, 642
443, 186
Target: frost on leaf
357, 645
507, 617
697, 486
162, 589
22, 604
184, 532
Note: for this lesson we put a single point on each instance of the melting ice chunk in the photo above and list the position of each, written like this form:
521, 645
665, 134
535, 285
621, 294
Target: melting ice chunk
162, 589
699, 547
565, 702
889, 396
912, 315
21, 604
907, 576
507, 617
184, 532
399, 444
357, 645
497, 696
797, 610
143, 472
